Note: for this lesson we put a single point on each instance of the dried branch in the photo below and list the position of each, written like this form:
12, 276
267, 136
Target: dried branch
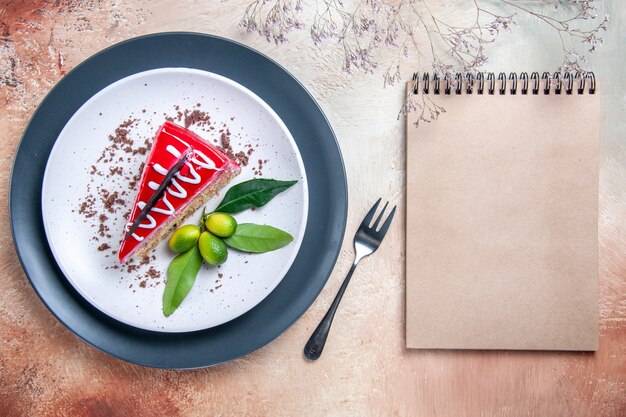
372, 27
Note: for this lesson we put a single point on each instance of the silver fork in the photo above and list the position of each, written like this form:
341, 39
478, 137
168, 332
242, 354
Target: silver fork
366, 240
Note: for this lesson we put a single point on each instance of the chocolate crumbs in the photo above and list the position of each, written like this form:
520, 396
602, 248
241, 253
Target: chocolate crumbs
104, 247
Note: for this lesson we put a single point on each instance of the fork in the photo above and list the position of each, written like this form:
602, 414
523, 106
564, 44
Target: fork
366, 240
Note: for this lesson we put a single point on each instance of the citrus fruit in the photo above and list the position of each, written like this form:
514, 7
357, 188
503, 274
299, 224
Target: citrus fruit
212, 248
221, 224
184, 238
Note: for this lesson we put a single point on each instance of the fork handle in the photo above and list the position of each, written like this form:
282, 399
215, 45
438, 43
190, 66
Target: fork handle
314, 347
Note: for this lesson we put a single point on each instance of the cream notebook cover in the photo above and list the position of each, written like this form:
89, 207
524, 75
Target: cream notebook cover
501, 218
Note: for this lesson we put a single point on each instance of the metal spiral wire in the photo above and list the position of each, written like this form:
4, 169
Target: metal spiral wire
470, 83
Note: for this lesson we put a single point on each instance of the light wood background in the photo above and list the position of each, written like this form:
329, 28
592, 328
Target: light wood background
365, 370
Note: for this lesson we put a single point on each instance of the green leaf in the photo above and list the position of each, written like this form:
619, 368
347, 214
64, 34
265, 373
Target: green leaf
181, 275
252, 193
258, 238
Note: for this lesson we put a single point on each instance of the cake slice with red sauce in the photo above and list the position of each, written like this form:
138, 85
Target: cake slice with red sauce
206, 170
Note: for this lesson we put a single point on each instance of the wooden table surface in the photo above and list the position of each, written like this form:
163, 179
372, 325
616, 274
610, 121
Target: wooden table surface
365, 370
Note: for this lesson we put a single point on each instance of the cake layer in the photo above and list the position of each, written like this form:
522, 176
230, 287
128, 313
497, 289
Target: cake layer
198, 179
168, 227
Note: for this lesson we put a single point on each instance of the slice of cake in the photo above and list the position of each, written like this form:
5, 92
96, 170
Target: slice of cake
205, 171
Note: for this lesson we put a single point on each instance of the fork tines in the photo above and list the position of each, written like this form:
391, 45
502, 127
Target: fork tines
370, 215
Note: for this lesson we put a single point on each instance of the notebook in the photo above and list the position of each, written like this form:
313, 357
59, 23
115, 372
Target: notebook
502, 213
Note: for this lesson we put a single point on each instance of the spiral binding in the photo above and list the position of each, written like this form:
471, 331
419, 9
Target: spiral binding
562, 83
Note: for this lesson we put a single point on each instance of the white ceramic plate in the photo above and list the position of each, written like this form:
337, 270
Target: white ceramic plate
134, 297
